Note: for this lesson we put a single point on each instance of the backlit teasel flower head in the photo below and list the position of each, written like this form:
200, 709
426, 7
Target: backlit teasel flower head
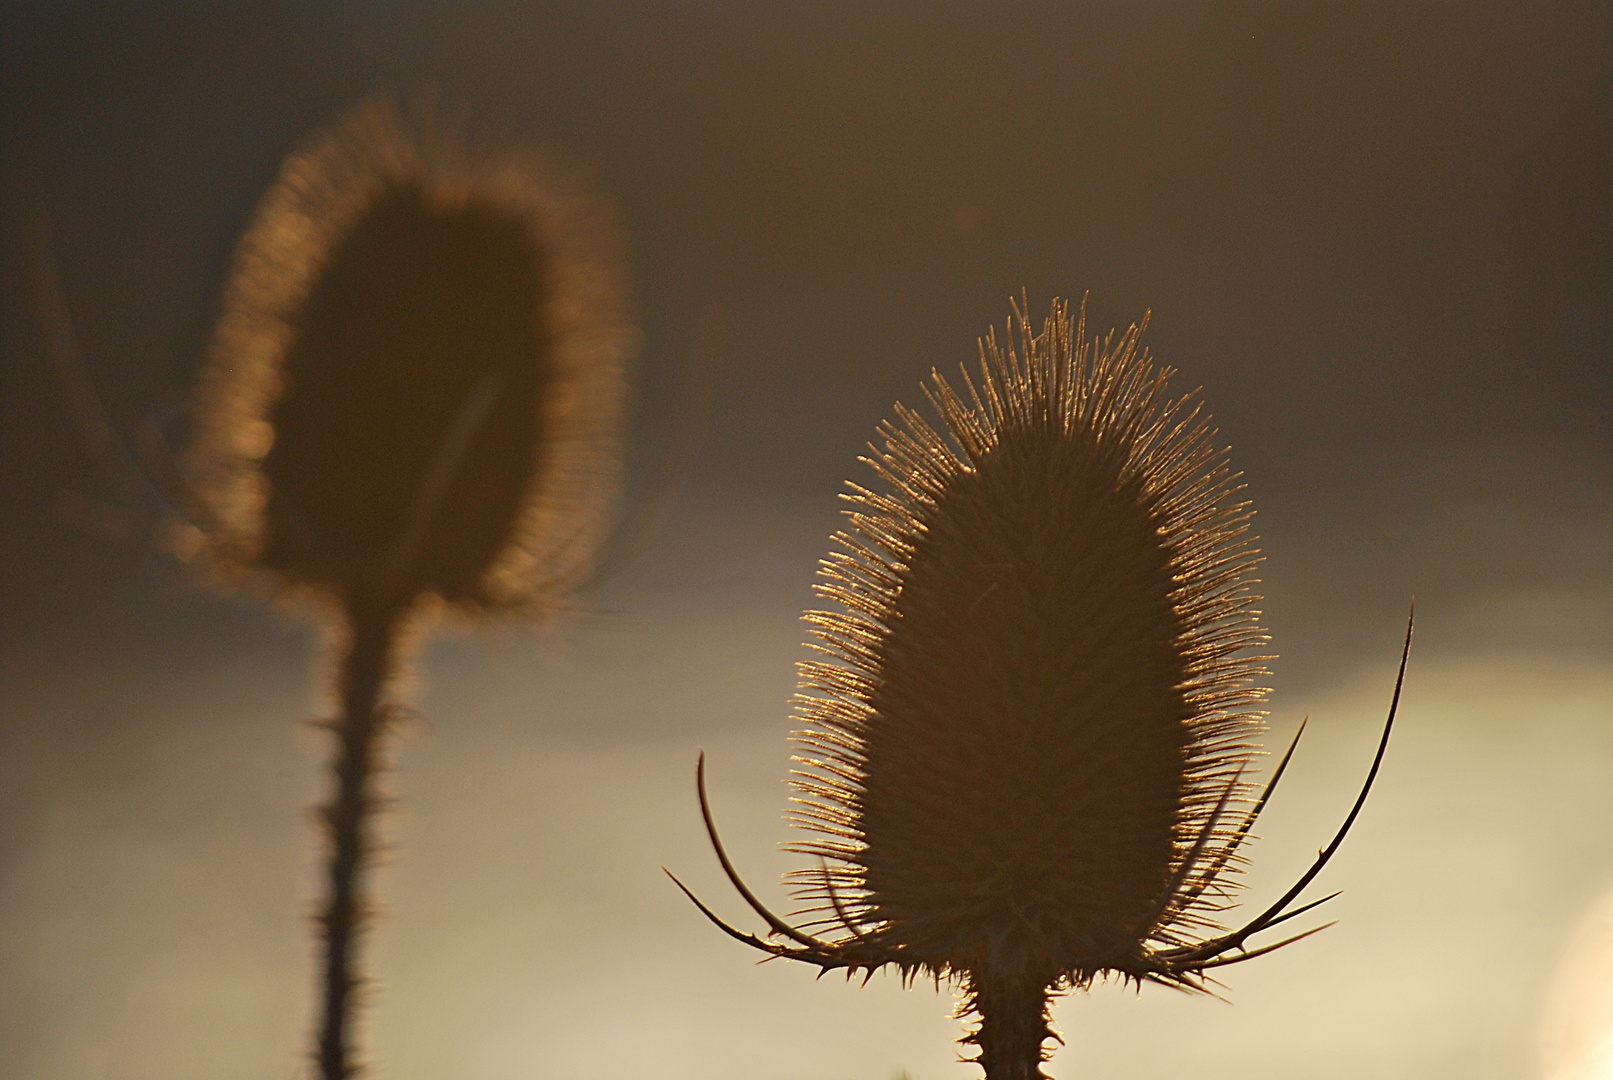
1035, 703
416, 384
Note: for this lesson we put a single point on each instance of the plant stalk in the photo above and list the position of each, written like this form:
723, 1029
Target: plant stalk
1013, 1024
366, 670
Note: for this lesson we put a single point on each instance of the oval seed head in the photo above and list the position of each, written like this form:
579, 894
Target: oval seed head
416, 383
1037, 694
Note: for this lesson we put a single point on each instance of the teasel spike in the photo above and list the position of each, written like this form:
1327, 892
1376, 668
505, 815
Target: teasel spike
1230, 850
1169, 897
846, 919
1266, 918
827, 956
1303, 908
778, 925
1225, 961
738, 935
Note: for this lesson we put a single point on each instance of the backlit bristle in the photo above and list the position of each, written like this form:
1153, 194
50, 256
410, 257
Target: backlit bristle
416, 384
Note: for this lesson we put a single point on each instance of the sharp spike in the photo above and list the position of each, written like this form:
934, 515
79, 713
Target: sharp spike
779, 925
771, 948
1227, 961
1217, 946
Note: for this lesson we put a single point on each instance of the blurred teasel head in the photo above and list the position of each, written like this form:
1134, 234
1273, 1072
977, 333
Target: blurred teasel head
416, 384
414, 391
1036, 700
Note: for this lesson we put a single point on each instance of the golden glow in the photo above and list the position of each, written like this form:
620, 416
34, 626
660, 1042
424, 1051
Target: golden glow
1577, 1026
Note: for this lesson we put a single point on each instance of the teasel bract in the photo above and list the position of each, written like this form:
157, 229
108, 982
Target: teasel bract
1036, 703
412, 404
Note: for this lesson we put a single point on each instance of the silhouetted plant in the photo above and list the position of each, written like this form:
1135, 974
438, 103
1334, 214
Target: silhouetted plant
1037, 703
412, 401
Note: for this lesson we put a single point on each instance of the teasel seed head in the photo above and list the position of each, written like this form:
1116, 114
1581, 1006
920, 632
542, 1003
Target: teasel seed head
1036, 698
416, 384
1039, 687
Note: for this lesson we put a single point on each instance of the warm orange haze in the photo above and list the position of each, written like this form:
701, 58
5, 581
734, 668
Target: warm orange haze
1376, 238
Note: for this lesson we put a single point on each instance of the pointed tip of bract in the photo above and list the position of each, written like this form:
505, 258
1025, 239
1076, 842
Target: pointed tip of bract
417, 380
1038, 686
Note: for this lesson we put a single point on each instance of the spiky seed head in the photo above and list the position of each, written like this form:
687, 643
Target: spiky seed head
416, 383
1037, 688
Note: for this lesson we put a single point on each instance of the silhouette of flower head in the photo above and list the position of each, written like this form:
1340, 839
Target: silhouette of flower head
416, 383
1035, 705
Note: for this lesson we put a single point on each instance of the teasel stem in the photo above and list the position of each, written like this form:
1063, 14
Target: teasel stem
370, 663
1013, 1023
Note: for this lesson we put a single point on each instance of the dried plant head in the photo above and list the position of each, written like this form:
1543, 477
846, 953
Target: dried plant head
415, 391
1038, 688
416, 384
1036, 700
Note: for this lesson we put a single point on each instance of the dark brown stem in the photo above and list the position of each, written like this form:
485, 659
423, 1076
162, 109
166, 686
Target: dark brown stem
1013, 1024
366, 670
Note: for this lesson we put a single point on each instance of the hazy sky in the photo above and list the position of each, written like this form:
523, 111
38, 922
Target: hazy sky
1379, 236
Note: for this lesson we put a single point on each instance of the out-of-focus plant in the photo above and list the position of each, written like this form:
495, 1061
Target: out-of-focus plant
1030, 727
411, 407
412, 404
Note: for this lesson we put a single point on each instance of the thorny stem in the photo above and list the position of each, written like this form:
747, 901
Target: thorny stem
367, 668
1013, 1024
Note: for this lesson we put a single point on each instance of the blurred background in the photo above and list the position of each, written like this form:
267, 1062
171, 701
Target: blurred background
1379, 236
